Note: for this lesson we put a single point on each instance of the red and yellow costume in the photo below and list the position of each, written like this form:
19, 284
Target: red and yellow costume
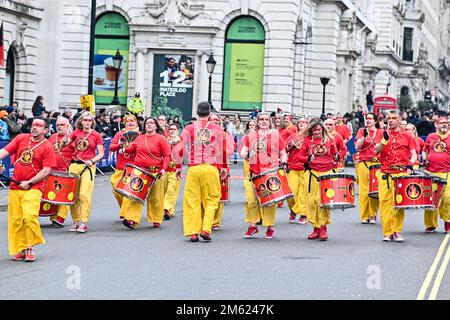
171, 182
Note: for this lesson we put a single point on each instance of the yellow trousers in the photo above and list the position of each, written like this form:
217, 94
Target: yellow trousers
368, 207
317, 216
255, 212
202, 190
132, 210
171, 190
391, 218
115, 178
81, 210
431, 216
24, 229
219, 214
296, 181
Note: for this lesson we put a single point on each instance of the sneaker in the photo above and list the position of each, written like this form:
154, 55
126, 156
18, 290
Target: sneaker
58, 222
447, 227
205, 235
30, 256
398, 237
365, 221
430, 230
82, 228
292, 217
20, 256
315, 234
323, 233
251, 231
167, 215
121, 218
216, 227
388, 238
194, 238
302, 220
269, 233
156, 225
75, 227
372, 220
129, 224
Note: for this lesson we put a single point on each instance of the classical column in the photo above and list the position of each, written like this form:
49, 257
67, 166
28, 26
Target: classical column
140, 71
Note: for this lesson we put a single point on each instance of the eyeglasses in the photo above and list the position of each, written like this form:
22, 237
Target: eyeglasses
87, 120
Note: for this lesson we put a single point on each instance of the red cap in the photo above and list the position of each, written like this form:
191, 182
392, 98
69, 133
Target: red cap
440, 119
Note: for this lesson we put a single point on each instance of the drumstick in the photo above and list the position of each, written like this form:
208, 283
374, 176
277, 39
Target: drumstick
9, 179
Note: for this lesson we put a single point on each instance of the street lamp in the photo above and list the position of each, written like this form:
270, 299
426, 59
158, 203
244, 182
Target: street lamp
387, 87
210, 66
324, 83
117, 61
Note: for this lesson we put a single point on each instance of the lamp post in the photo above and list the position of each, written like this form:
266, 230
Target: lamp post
210, 66
324, 83
387, 87
117, 60
92, 45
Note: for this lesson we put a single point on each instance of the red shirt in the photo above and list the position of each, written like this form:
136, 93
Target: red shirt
287, 132
344, 131
122, 158
293, 146
172, 165
85, 144
341, 147
397, 152
264, 151
30, 158
420, 144
367, 150
63, 156
207, 143
151, 151
438, 150
324, 153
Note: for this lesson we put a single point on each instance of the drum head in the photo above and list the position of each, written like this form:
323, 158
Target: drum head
140, 169
130, 136
337, 175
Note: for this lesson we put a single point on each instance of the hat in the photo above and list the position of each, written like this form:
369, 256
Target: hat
441, 119
10, 109
3, 113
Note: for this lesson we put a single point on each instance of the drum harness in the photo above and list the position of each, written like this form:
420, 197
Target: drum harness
81, 161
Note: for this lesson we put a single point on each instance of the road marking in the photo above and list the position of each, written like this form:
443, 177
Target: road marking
435, 264
440, 275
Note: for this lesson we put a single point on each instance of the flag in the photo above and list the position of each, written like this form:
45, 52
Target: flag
2, 47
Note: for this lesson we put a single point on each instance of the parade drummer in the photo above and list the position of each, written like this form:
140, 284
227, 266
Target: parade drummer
266, 149
119, 143
330, 126
436, 158
63, 158
152, 155
296, 175
397, 154
88, 150
172, 180
365, 141
205, 142
420, 144
290, 128
319, 155
33, 159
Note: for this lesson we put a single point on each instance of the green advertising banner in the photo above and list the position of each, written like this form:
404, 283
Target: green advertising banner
111, 33
244, 65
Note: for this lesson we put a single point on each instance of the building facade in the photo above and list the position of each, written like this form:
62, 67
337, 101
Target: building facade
268, 54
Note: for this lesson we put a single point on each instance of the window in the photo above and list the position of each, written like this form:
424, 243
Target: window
408, 53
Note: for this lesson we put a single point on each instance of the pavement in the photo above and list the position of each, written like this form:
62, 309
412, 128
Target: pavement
112, 262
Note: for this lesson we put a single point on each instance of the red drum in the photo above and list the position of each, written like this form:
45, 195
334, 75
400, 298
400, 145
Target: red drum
437, 188
373, 180
47, 209
337, 191
135, 183
61, 188
271, 187
413, 192
225, 189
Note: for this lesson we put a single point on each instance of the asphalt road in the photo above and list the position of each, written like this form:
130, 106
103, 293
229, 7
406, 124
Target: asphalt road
112, 262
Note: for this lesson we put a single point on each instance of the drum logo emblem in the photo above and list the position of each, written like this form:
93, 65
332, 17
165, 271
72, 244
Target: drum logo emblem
27, 157
57, 146
57, 186
413, 191
320, 150
440, 146
351, 189
204, 136
260, 146
273, 184
137, 184
83, 145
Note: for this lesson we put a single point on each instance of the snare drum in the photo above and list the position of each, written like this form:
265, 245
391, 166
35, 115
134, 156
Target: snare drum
61, 188
437, 188
373, 180
47, 209
225, 190
413, 192
271, 187
337, 191
135, 183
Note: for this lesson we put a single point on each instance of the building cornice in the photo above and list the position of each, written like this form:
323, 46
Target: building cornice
21, 9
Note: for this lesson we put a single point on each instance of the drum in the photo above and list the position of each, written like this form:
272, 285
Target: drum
437, 188
135, 183
413, 192
271, 187
373, 180
61, 188
225, 189
337, 191
47, 209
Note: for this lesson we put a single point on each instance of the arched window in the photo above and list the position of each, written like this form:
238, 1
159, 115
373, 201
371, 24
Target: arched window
112, 32
243, 65
10, 78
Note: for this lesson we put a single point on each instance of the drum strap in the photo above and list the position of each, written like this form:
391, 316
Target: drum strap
310, 178
386, 177
90, 172
365, 163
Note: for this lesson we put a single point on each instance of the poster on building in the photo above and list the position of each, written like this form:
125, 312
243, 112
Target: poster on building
87, 102
173, 83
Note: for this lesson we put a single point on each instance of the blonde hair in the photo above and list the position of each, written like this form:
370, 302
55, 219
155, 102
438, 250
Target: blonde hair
78, 123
